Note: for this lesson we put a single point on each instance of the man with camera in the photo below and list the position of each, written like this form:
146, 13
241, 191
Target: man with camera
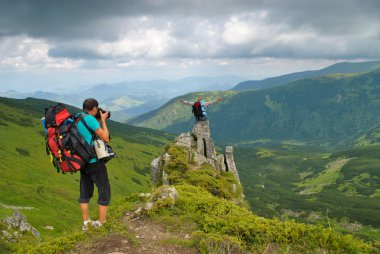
96, 171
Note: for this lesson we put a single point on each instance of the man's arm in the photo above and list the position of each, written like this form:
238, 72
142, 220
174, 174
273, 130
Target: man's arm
208, 103
102, 132
190, 103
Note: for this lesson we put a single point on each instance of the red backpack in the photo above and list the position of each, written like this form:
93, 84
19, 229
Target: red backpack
68, 150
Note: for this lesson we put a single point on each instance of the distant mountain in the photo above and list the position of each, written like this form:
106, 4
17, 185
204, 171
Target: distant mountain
132, 98
344, 67
327, 111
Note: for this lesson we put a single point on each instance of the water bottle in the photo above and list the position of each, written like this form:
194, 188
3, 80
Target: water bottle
43, 124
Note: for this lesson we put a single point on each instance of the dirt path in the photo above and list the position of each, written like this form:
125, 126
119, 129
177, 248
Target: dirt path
149, 237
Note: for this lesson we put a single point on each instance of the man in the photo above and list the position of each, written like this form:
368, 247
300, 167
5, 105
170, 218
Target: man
199, 107
96, 171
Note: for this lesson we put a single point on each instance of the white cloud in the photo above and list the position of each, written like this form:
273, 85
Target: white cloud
238, 32
25, 53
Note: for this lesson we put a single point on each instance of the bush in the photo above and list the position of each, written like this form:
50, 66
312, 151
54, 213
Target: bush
178, 165
225, 225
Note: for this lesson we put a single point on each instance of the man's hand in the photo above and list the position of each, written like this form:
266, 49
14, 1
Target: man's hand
103, 116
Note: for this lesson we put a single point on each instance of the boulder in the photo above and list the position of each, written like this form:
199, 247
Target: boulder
155, 170
166, 192
20, 224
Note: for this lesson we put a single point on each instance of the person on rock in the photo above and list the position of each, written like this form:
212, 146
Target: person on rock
199, 107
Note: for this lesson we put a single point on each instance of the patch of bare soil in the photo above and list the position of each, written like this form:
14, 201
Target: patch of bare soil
148, 237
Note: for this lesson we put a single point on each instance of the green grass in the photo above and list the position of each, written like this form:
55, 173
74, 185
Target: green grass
326, 177
207, 207
338, 185
29, 179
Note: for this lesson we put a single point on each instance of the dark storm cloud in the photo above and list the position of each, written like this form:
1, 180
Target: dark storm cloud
339, 28
83, 18
326, 16
74, 53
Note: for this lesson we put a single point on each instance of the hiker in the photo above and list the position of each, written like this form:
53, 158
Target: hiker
96, 171
199, 107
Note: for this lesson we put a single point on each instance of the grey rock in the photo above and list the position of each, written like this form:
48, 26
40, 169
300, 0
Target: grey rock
212, 163
220, 163
165, 192
19, 222
144, 195
139, 211
25, 226
209, 149
155, 170
35, 233
6, 234
200, 159
184, 140
200, 146
230, 162
201, 129
149, 206
165, 178
15, 220
167, 158
49, 227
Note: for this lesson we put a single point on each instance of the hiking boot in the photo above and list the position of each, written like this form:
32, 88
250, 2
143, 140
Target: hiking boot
96, 224
86, 225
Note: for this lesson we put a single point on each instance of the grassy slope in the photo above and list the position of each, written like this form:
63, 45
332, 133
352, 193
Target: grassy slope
29, 179
296, 183
207, 207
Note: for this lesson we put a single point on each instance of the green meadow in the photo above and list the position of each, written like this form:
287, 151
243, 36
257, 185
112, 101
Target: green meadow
338, 188
29, 180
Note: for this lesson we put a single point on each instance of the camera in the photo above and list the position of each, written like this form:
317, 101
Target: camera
103, 111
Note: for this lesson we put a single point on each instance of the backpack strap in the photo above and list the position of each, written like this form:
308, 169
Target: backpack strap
81, 118
94, 137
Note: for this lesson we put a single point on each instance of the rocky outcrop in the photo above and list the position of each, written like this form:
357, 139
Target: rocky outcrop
230, 162
17, 225
164, 196
200, 149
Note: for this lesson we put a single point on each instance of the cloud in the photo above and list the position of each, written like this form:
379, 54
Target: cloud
118, 33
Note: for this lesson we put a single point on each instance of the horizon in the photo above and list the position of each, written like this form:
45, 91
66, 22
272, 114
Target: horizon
45, 45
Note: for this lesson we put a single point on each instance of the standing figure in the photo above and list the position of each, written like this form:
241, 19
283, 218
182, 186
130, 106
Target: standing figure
96, 172
199, 107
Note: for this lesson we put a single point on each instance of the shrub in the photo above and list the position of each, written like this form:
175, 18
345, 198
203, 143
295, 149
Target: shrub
178, 164
224, 225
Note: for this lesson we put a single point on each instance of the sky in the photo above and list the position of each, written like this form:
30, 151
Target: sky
66, 44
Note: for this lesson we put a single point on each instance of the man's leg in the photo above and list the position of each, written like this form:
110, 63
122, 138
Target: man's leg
86, 192
85, 211
102, 213
100, 178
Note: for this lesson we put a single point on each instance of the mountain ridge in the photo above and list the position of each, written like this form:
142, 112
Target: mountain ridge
343, 67
310, 110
